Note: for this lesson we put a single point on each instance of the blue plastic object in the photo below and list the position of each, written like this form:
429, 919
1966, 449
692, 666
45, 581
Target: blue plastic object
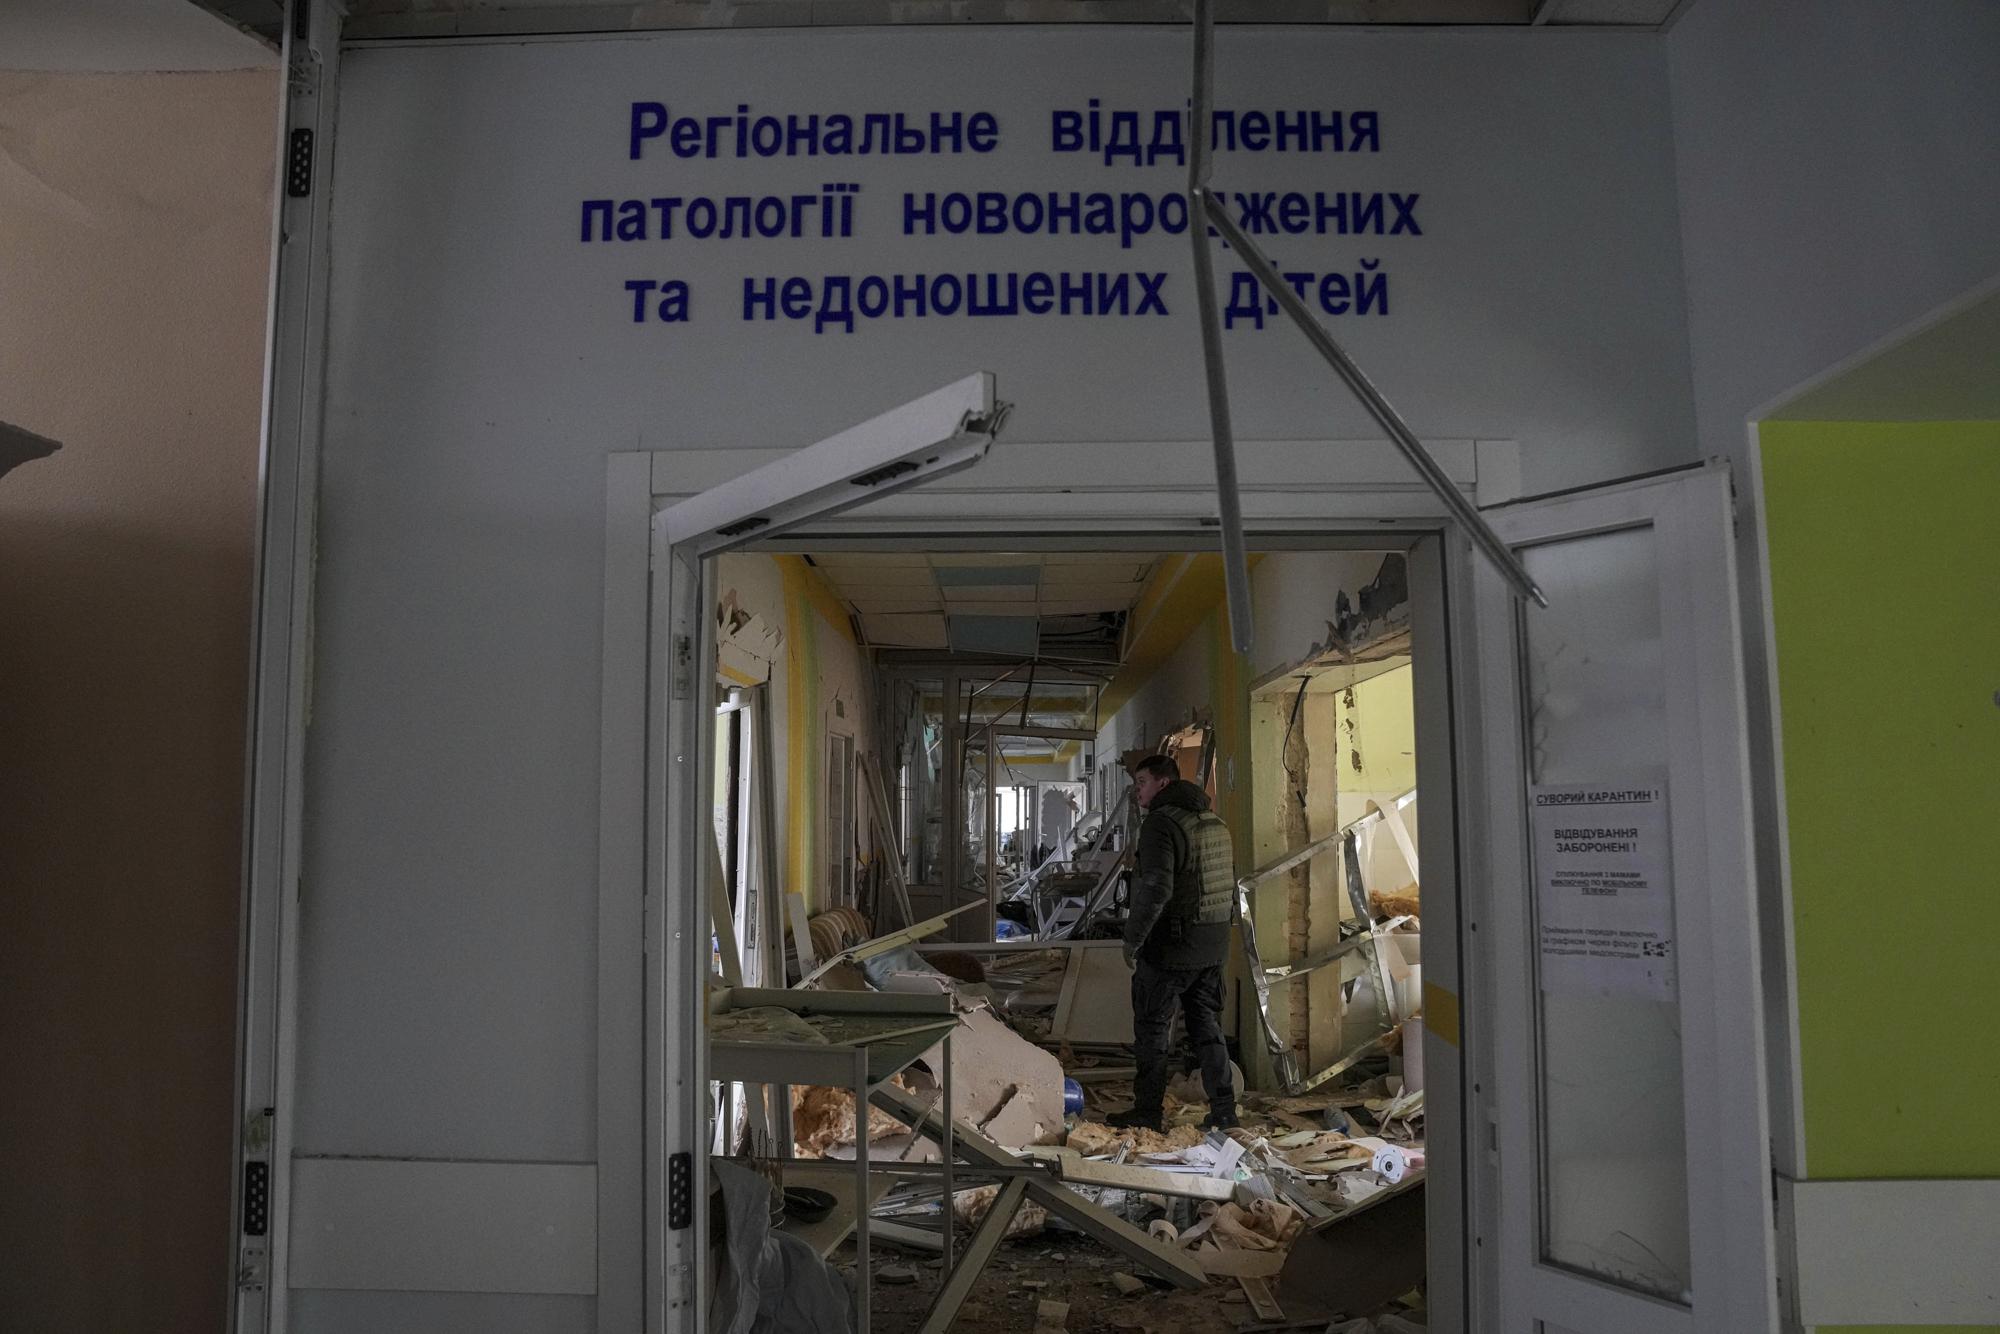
1072, 1098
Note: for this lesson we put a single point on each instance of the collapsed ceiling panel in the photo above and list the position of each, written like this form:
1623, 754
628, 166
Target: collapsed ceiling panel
1080, 599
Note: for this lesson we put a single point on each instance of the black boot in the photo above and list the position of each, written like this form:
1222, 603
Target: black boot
1135, 1119
1220, 1118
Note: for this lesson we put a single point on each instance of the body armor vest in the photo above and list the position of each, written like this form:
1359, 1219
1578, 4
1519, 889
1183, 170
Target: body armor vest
1205, 886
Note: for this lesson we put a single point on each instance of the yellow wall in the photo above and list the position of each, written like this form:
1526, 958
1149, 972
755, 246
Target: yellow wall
822, 664
1189, 666
1885, 600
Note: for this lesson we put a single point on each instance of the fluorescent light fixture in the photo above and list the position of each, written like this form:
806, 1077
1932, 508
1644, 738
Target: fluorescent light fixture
944, 431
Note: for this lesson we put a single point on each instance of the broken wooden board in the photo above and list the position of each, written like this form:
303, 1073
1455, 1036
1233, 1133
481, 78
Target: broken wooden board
1262, 1300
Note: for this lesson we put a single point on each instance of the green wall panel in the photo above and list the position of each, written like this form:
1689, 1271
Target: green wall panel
1885, 587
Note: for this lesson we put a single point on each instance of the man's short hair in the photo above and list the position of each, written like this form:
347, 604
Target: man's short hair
1159, 766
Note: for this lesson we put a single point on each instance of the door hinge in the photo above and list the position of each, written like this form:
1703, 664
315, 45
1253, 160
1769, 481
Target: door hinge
303, 77
683, 666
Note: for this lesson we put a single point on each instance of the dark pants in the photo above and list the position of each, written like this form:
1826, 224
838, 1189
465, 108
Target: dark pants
1198, 991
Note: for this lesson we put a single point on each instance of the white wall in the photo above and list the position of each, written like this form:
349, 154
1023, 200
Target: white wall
1296, 594
1837, 181
483, 362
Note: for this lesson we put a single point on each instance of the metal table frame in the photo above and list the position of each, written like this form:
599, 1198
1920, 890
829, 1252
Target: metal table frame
859, 1067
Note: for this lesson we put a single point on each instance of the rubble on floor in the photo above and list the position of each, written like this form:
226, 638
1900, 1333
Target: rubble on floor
1304, 1176
1307, 1215
1103, 1295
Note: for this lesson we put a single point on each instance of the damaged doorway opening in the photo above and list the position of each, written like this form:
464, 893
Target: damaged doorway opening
923, 822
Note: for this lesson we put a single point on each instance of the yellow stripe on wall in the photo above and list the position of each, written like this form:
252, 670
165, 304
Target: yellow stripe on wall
802, 762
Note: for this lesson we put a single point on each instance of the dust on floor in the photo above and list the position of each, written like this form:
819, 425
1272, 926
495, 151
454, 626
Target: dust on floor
1051, 1267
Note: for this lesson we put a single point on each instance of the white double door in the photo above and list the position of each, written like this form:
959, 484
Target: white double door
1620, 1179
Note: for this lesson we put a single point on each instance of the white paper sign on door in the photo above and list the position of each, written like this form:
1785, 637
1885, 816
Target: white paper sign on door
1604, 889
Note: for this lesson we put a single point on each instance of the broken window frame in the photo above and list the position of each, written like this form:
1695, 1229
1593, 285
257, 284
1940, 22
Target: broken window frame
1347, 838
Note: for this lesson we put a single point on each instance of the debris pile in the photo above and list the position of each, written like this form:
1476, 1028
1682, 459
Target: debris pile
1308, 1214
1264, 1210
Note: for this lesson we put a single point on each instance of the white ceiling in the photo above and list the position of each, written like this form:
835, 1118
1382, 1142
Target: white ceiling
904, 598
122, 37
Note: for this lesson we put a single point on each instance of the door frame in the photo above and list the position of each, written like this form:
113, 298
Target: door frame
261, 1132
636, 853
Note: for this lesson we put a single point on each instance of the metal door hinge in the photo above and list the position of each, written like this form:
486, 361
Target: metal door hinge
304, 77
683, 666
680, 1283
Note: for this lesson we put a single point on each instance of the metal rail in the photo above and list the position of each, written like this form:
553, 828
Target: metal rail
1205, 205
1235, 562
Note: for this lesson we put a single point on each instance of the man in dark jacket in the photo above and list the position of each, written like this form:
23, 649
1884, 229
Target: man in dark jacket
1176, 937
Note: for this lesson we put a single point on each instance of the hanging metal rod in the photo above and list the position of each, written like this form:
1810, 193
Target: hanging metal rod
1203, 203
1235, 561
